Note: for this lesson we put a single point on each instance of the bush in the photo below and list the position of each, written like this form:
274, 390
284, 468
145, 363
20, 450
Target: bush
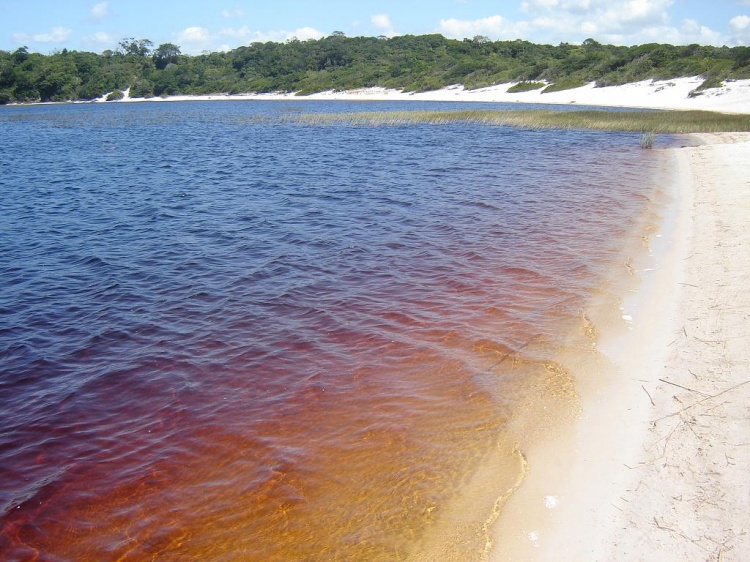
116, 95
525, 87
565, 84
142, 89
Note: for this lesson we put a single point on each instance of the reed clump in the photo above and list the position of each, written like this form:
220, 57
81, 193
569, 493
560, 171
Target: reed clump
667, 122
647, 140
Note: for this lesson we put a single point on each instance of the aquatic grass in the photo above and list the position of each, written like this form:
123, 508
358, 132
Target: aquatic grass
668, 122
647, 140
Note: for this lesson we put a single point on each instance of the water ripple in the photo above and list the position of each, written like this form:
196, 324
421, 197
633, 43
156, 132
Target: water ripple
231, 338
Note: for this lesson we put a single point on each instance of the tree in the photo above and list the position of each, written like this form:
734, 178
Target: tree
165, 54
21, 54
138, 47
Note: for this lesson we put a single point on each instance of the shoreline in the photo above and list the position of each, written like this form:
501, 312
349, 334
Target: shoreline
733, 97
656, 466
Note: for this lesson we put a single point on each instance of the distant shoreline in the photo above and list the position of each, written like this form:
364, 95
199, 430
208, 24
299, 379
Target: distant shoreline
733, 97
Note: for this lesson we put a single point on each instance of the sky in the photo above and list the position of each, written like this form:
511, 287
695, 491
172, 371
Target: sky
198, 26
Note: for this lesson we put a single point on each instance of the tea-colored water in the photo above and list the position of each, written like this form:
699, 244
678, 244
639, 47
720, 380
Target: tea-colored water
234, 339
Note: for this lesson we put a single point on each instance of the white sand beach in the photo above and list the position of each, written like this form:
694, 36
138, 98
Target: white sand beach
657, 466
733, 97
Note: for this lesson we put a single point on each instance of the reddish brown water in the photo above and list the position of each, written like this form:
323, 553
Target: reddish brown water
233, 341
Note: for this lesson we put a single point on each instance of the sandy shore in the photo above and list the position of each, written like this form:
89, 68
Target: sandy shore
657, 467
733, 97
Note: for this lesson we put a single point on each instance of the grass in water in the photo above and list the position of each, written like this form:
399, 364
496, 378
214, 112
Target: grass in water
647, 140
646, 122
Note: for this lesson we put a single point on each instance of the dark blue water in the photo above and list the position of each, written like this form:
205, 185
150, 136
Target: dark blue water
230, 337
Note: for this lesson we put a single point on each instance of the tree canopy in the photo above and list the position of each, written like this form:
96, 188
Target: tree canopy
408, 62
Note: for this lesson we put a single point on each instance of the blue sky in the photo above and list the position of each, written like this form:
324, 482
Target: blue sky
199, 25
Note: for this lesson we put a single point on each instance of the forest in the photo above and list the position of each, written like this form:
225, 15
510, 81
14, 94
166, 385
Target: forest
407, 62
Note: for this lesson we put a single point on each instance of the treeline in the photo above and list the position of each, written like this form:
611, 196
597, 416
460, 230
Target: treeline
408, 62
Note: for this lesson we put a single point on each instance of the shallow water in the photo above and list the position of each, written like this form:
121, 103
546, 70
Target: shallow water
228, 338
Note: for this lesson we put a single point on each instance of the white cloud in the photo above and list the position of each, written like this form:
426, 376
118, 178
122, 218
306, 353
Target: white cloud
740, 26
247, 36
633, 15
233, 13
690, 31
305, 33
100, 11
100, 40
612, 21
496, 27
197, 41
739, 23
194, 38
241, 33
57, 35
383, 23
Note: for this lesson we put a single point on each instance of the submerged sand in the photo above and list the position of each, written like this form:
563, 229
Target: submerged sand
657, 467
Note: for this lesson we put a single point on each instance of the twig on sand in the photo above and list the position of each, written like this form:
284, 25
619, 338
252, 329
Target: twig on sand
736, 386
647, 394
683, 387
509, 353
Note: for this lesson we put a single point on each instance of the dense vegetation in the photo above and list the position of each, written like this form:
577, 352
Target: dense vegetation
412, 63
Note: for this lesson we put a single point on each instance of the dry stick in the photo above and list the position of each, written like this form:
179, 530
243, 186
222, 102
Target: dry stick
683, 387
701, 401
647, 394
511, 352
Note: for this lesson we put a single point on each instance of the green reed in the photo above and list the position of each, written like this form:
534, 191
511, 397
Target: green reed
647, 122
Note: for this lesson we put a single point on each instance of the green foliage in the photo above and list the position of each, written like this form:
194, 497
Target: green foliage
136, 47
525, 87
337, 62
115, 96
564, 84
143, 88
166, 54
